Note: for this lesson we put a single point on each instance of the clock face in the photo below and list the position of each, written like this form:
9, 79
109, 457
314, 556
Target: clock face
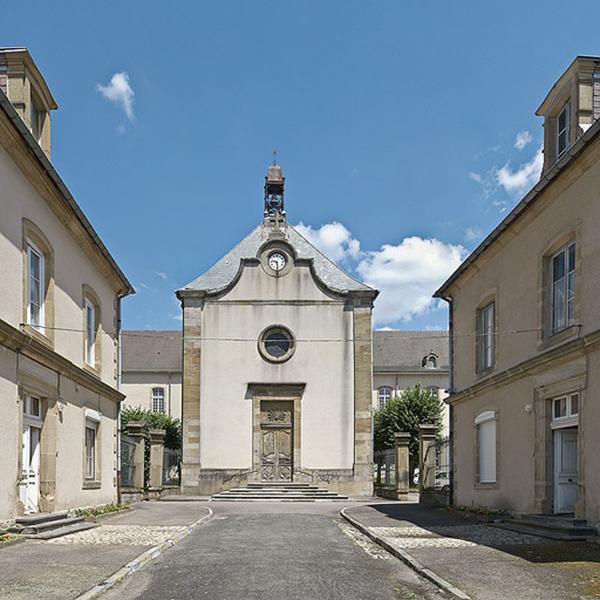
277, 261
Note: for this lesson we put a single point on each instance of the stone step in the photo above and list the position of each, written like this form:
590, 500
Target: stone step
276, 497
303, 499
61, 531
279, 491
573, 534
42, 517
54, 524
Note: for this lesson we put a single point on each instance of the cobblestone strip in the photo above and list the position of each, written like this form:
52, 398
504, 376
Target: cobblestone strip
408, 559
142, 559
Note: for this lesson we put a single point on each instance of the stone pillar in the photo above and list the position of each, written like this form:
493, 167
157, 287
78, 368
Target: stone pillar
48, 456
427, 438
192, 330
157, 445
363, 390
136, 431
401, 440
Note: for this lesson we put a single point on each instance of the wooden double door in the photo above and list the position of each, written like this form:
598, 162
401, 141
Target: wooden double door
276, 440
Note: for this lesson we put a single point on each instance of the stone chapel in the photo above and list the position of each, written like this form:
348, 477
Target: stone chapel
277, 365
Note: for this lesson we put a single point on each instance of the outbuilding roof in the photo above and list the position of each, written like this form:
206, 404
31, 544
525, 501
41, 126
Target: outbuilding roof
405, 350
151, 350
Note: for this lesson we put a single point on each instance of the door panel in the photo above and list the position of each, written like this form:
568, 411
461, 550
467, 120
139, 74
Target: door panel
277, 441
30, 473
565, 470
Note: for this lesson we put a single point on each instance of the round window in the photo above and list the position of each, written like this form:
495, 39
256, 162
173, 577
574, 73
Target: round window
276, 344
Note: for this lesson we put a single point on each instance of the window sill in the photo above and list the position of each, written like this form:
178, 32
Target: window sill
561, 337
487, 486
483, 373
90, 484
38, 335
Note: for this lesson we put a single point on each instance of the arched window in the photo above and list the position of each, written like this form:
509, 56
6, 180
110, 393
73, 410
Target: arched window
384, 394
430, 361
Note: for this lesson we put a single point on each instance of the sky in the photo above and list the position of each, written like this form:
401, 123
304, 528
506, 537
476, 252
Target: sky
405, 129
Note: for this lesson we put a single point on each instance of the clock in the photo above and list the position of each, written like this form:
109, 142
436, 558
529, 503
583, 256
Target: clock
277, 261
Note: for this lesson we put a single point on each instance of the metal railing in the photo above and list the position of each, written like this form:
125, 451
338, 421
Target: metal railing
171, 467
442, 463
127, 464
385, 468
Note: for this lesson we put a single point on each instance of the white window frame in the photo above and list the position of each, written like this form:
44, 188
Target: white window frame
384, 395
158, 398
91, 450
486, 336
486, 420
566, 111
32, 408
90, 333
566, 288
32, 249
570, 418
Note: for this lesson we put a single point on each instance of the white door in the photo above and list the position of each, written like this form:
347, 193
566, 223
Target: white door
30, 474
565, 470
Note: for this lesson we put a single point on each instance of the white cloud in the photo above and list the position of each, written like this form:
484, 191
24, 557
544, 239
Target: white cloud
120, 129
120, 92
521, 180
161, 274
407, 275
333, 239
473, 234
523, 138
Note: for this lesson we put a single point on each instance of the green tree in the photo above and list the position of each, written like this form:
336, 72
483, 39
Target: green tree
406, 412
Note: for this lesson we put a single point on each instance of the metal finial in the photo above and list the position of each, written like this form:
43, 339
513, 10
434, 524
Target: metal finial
274, 156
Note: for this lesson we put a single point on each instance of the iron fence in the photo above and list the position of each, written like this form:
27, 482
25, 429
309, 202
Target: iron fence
385, 468
171, 466
127, 465
442, 463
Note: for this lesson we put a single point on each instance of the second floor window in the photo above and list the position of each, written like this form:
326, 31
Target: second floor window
486, 337
35, 287
562, 291
158, 400
90, 333
562, 130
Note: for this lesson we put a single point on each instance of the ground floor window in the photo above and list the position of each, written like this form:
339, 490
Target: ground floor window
384, 394
485, 424
158, 400
91, 431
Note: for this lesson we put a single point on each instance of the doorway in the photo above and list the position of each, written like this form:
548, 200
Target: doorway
565, 470
30, 471
276, 440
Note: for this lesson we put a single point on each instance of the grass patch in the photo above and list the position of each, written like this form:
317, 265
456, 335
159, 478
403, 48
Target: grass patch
7, 537
100, 510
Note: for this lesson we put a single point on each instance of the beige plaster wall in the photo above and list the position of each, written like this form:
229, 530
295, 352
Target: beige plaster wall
137, 386
72, 269
9, 440
325, 367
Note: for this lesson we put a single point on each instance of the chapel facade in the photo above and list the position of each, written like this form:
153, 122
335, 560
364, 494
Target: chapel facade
277, 365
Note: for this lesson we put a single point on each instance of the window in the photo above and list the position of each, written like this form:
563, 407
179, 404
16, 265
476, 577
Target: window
158, 400
276, 344
36, 120
563, 123
35, 287
565, 407
485, 424
90, 449
434, 390
562, 291
486, 337
384, 394
90, 333
31, 407
430, 361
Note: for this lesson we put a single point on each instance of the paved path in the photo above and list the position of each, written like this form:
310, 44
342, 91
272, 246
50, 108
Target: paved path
486, 562
274, 551
64, 568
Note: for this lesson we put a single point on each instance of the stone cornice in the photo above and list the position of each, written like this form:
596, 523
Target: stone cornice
563, 352
29, 346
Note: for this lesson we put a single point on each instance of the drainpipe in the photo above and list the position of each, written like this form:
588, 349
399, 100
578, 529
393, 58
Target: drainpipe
170, 393
448, 299
120, 296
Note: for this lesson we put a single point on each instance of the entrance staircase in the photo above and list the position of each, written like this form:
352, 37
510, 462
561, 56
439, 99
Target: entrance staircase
45, 526
555, 527
277, 492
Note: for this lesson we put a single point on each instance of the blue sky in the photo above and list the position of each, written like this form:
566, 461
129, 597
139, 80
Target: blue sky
406, 128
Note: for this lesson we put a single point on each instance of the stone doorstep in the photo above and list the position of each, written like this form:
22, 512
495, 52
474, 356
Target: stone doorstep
42, 517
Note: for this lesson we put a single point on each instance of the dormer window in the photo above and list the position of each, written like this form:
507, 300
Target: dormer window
430, 361
562, 130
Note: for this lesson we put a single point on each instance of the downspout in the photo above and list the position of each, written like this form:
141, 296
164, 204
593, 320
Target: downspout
170, 393
448, 299
120, 296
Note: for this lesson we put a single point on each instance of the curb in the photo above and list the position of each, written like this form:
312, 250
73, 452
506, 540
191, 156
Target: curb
406, 558
142, 559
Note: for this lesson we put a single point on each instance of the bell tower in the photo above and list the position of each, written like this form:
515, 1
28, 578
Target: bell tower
274, 184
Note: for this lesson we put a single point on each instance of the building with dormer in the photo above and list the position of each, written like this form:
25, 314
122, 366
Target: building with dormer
525, 329
59, 319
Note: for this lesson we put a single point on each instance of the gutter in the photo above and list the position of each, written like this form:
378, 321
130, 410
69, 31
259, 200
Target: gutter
46, 165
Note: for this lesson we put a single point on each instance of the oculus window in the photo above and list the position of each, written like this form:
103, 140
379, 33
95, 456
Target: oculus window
276, 344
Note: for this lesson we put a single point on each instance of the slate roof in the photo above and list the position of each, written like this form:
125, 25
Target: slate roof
144, 350
221, 274
404, 350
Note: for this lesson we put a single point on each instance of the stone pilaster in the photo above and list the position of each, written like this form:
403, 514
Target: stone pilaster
157, 444
402, 440
192, 330
48, 457
363, 389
